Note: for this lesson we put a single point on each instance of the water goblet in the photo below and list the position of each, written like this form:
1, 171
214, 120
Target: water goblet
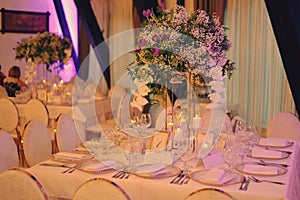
145, 121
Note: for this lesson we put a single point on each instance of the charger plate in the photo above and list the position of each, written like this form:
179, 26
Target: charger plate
156, 171
284, 155
96, 167
288, 144
235, 178
280, 170
70, 159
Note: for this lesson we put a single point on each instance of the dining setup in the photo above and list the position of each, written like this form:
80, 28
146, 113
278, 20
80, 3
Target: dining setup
161, 130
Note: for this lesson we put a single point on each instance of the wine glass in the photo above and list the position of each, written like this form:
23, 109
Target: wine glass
145, 121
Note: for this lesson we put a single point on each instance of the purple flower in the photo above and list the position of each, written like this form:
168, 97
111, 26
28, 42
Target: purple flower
142, 42
161, 5
155, 38
137, 49
147, 12
164, 37
156, 51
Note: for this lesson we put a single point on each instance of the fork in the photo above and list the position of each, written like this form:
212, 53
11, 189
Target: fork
177, 178
69, 170
256, 180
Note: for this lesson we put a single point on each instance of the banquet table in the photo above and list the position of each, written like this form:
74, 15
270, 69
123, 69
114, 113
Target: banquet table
64, 185
84, 113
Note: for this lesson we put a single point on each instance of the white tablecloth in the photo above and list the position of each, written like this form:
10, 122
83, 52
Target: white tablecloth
64, 185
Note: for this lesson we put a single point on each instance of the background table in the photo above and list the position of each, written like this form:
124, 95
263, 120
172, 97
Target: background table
84, 113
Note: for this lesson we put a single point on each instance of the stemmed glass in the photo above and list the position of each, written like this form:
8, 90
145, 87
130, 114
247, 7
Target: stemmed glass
145, 121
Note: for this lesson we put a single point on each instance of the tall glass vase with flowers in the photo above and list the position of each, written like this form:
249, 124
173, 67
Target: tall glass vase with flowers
175, 47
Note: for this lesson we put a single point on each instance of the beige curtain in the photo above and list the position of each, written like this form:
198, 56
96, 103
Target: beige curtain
259, 84
114, 17
212, 6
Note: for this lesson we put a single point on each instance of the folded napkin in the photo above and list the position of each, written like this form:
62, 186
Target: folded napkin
217, 176
96, 167
149, 168
263, 153
160, 172
69, 155
261, 169
276, 142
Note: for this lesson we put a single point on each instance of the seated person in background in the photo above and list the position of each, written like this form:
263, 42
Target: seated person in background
2, 77
13, 83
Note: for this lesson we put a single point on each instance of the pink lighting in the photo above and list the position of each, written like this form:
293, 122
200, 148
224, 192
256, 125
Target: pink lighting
54, 26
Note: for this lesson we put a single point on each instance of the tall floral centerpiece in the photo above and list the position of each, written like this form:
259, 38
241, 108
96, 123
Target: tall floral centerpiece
45, 48
173, 46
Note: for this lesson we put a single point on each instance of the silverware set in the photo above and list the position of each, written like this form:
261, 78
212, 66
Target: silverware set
244, 184
121, 175
182, 178
256, 180
69, 170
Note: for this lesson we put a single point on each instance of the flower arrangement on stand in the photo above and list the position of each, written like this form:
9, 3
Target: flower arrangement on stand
174, 46
45, 48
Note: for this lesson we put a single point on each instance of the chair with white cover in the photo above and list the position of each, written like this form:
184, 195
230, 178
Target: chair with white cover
3, 93
9, 119
100, 188
37, 145
67, 137
122, 117
218, 116
284, 125
8, 152
21, 185
209, 194
36, 109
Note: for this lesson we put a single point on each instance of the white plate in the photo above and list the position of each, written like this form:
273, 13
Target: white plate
259, 171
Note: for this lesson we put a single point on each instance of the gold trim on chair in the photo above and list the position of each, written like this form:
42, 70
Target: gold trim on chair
35, 180
224, 194
14, 127
126, 195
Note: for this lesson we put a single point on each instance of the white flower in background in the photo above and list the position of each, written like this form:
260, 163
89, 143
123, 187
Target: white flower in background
139, 100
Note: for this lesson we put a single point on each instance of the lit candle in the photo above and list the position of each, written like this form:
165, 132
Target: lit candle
196, 122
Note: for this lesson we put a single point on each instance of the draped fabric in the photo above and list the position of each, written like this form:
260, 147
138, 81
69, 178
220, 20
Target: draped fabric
259, 84
114, 17
212, 6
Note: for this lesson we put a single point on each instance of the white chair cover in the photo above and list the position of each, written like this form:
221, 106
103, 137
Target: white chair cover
122, 116
3, 93
8, 152
36, 109
21, 185
284, 125
100, 188
124, 110
218, 115
37, 144
209, 194
66, 134
9, 116
160, 119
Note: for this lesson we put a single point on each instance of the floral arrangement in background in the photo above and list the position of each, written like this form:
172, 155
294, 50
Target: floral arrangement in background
140, 96
173, 45
46, 47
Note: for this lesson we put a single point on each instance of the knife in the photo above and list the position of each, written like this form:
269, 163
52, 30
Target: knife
53, 165
246, 184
